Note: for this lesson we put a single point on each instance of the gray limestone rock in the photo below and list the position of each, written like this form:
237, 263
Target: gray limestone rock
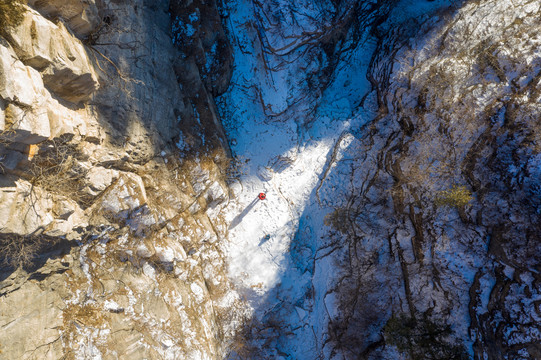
117, 282
81, 15
62, 59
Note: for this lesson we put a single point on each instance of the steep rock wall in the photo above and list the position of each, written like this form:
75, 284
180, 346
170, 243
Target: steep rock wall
111, 197
428, 245
442, 222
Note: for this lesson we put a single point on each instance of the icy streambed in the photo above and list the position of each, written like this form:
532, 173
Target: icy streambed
286, 149
280, 155
288, 136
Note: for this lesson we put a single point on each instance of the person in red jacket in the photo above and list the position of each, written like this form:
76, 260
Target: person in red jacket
262, 196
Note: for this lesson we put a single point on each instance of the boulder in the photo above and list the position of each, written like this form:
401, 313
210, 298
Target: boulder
126, 195
18, 213
67, 216
71, 75
32, 39
125, 202
29, 126
60, 57
81, 15
22, 91
99, 178
28, 109
63, 120
34, 114
27, 209
19, 84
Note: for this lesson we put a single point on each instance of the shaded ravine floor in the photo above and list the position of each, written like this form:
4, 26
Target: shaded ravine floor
305, 143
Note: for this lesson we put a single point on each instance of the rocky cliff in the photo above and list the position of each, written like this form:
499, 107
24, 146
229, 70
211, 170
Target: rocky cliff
443, 222
397, 142
113, 166
411, 130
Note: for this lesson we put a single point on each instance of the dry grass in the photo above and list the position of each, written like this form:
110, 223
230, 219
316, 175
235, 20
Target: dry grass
17, 251
56, 169
339, 219
457, 196
87, 315
11, 13
239, 345
422, 339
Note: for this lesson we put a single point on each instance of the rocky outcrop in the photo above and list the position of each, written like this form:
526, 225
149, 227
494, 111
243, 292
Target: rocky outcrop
456, 112
27, 210
206, 65
41, 61
109, 231
62, 60
81, 16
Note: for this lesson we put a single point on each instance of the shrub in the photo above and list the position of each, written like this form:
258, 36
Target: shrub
11, 13
422, 339
17, 251
457, 196
56, 169
339, 220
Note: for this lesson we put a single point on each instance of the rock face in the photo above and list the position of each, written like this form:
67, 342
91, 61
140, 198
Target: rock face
197, 31
61, 58
109, 233
40, 61
113, 179
81, 16
455, 121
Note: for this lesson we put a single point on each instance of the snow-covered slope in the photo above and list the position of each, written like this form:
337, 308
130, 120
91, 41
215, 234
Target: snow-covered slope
353, 119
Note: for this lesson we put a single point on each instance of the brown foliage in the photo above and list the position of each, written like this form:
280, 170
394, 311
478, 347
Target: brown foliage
19, 251
11, 13
56, 169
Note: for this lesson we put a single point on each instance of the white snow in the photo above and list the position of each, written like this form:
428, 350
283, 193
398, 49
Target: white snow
286, 157
198, 292
111, 305
289, 131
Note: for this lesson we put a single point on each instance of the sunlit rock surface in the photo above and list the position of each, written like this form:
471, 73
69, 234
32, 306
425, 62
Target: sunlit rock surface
397, 143
111, 199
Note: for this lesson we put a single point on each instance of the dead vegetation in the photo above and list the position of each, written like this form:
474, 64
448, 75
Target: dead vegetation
57, 170
11, 13
422, 339
339, 219
252, 337
86, 315
457, 196
237, 328
235, 168
18, 251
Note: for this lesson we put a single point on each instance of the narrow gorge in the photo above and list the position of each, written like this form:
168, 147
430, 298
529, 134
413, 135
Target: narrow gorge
397, 143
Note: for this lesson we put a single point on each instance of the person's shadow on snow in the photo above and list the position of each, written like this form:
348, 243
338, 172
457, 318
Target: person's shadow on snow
264, 239
237, 220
